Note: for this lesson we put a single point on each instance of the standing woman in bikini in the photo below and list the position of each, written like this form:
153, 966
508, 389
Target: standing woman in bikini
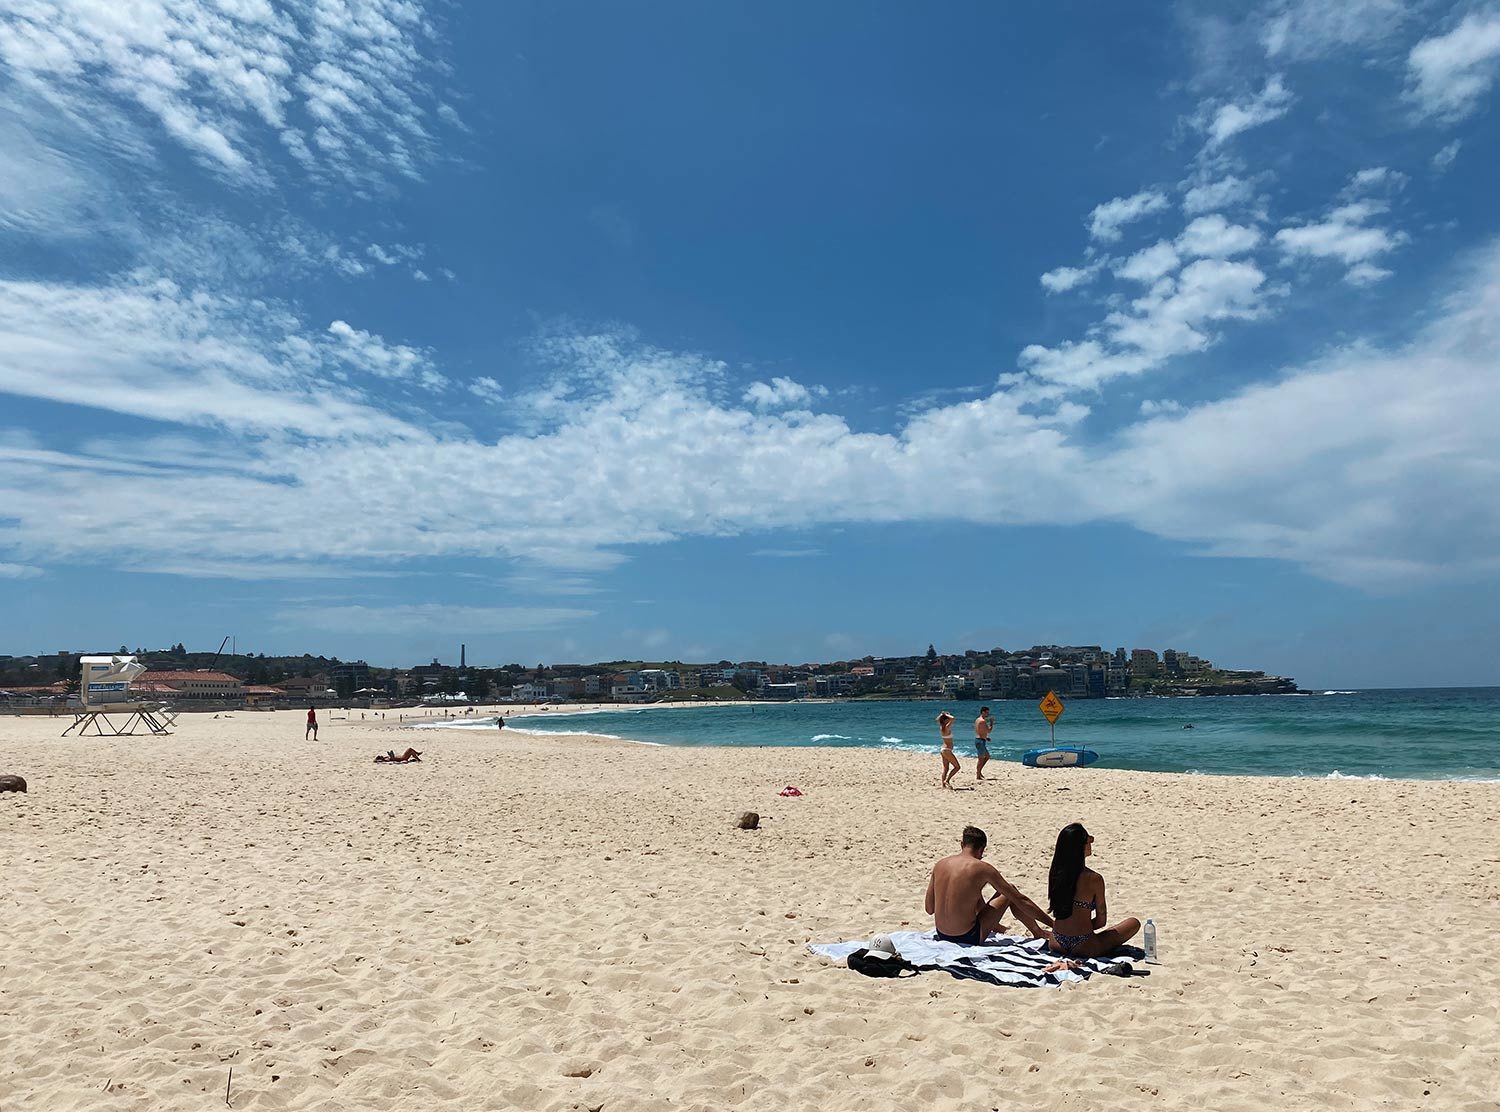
950, 762
1075, 894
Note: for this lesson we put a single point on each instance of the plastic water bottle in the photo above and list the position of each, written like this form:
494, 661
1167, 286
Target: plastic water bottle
1148, 941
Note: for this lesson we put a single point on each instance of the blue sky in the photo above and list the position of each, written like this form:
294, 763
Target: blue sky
580, 331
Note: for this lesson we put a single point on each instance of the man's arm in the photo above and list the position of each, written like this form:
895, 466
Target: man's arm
1001, 886
931, 901
1024, 907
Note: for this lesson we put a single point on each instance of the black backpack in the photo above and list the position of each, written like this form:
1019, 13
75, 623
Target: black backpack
861, 962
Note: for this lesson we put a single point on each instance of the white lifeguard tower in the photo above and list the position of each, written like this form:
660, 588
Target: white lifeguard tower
104, 691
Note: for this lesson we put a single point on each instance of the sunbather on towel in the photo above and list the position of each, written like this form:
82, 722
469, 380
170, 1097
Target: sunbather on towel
955, 896
1076, 895
390, 757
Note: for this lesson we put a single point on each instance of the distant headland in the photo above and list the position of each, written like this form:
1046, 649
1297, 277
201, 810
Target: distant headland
1072, 671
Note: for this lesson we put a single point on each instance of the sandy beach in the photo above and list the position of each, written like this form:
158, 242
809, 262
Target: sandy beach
530, 923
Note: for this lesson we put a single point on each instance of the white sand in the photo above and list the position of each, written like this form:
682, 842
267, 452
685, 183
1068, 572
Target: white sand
551, 924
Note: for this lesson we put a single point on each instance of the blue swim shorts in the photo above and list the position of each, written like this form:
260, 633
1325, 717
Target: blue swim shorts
981, 747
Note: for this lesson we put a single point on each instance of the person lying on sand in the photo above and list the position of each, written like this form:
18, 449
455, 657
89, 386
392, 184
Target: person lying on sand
955, 896
1076, 896
390, 757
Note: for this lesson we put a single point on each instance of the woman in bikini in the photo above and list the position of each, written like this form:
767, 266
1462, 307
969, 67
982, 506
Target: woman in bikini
950, 762
1076, 896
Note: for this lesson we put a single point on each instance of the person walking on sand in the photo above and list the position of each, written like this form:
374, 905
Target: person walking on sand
950, 762
312, 725
982, 727
955, 896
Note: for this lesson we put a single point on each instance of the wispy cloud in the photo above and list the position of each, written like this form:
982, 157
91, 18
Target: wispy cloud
781, 393
1224, 122
1304, 30
1107, 219
1381, 429
1217, 194
1346, 235
1064, 278
340, 87
1449, 73
149, 348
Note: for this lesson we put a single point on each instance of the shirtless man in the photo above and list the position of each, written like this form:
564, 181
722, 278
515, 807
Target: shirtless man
982, 727
955, 896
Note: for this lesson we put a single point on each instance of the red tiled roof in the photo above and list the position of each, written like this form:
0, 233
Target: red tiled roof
179, 677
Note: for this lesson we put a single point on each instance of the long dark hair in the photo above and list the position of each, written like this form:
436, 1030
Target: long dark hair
1067, 863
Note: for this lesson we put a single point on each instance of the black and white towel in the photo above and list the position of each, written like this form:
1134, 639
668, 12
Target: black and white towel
1000, 960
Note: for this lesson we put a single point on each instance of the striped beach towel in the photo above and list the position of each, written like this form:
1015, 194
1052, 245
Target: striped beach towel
1001, 960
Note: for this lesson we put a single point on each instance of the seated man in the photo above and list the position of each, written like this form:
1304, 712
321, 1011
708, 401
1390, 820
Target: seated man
955, 896
390, 757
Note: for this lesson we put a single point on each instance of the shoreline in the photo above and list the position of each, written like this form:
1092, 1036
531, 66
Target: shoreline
439, 723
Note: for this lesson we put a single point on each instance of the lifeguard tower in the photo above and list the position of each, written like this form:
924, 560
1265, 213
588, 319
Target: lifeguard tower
104, 692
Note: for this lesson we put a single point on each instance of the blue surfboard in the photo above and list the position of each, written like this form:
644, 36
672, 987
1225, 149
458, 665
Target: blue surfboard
1059, 756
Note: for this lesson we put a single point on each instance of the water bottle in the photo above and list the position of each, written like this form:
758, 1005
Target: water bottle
1148, 941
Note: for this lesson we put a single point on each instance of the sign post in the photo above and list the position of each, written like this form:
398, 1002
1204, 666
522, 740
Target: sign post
1051, 708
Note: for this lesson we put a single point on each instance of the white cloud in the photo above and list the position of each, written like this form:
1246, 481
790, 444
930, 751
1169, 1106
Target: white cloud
19, 571
46, 188
1448, 74
1150, 263
1107, 219
148, 348
1444, 158
1333, 466
1215, 195
1064, 278
1344, 235
487, 389
372, 355
1365, 274
1215, 237
390, 255
1171, 319
339, 86
1337, 465
1175, 317
1304, 30
781, 393
1374, 176
1228, 120
1154, 408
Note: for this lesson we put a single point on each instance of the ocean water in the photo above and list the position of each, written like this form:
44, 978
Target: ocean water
1443, 734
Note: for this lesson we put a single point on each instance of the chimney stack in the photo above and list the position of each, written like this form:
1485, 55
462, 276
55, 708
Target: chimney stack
462, 651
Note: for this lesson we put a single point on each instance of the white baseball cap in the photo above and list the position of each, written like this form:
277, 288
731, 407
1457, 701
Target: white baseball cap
881, 946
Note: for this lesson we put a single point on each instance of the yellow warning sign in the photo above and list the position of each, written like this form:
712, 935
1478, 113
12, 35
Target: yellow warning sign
1052, 707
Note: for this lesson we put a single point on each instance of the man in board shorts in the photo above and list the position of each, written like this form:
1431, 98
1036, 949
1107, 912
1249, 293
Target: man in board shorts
982, 727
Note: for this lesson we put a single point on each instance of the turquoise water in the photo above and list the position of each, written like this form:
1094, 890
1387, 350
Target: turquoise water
1447, 734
